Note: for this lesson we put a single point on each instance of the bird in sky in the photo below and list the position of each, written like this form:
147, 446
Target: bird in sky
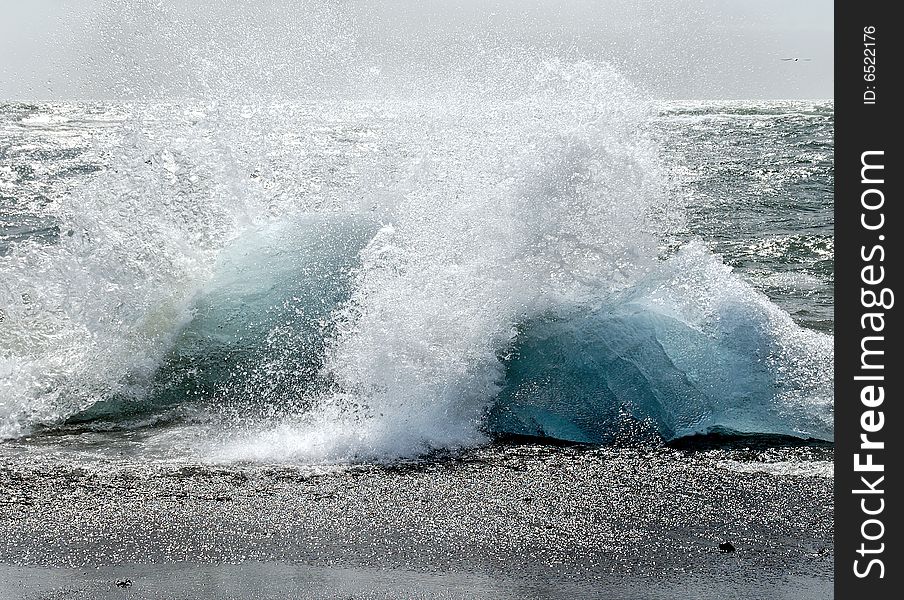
798, 59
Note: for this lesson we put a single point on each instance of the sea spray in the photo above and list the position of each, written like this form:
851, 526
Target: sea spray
501, 187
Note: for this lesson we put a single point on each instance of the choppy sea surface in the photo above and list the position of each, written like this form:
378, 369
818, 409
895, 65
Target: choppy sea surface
373, 281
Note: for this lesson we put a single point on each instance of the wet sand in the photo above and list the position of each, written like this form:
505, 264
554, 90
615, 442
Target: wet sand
507, 521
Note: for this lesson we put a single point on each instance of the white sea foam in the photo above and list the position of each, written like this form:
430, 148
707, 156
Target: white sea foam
506, 185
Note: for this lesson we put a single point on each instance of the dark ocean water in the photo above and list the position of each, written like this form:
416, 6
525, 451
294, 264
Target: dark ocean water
760, 183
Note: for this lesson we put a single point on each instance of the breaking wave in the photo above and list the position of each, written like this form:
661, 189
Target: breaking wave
373, 274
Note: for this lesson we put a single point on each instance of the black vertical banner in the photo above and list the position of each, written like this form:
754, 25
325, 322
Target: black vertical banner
869, 371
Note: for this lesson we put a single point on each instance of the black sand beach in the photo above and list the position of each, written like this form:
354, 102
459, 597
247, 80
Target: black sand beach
507, 521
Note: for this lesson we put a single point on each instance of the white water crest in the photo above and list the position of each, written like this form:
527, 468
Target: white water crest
392, 221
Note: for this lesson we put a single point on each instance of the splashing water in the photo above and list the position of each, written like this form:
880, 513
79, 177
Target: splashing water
406, 256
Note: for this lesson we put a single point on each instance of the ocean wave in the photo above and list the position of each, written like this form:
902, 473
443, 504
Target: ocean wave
392, 275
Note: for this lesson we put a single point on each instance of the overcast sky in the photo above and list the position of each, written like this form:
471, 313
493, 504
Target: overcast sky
707, 49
